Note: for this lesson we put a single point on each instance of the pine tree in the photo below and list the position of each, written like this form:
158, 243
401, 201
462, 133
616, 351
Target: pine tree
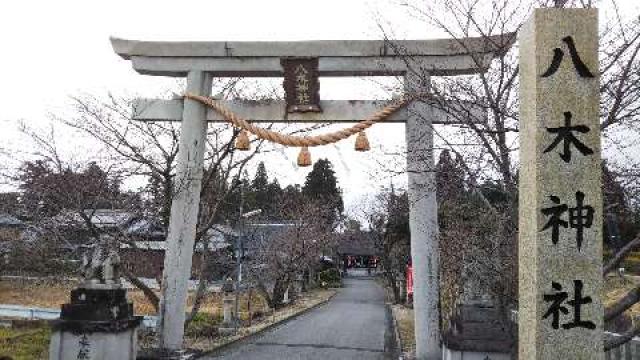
321, 185
259, 192
262, 194
261, 180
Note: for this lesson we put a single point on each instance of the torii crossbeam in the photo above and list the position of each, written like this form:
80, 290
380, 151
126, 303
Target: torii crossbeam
415, 60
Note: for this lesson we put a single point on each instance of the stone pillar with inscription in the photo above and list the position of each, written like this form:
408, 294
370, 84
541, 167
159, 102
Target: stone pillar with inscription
560, 239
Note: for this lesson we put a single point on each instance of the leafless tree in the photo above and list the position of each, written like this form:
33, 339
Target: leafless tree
388, 218
280, 257
148, 151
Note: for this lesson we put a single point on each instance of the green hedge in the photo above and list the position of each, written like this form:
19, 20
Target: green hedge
330, 278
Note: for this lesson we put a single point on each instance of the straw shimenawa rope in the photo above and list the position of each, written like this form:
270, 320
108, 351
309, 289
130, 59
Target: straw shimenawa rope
300, 141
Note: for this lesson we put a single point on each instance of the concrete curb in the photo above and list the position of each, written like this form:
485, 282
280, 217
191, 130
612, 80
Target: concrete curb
395, 350
232, 343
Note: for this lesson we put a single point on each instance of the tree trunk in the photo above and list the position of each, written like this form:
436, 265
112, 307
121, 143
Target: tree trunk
620, 255
279, 288
394, 286
148, 293
620, 306
202, 285
262, 289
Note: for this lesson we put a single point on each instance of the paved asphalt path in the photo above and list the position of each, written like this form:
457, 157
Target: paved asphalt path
351, 326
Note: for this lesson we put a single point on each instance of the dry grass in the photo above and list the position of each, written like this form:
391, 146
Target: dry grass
50, 294
34, 293
404, 320
33, 343
616, 287
212, 304
308, 300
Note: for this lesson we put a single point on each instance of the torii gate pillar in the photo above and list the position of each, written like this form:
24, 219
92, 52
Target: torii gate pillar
184, 214
423, 222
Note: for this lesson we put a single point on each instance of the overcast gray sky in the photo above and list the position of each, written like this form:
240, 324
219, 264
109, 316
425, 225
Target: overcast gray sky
54, 49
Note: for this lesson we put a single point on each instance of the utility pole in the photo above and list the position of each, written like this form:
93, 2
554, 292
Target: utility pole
236, 312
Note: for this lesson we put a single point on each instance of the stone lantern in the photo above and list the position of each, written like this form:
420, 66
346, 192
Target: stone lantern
228, 302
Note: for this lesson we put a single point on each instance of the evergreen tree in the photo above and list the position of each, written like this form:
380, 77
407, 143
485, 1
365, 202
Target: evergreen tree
449, 177
263, 194
239, 192
290, 196
273, 196
321, 186
261, 180
450, 189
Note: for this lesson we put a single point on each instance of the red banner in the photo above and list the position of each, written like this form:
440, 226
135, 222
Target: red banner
409, 277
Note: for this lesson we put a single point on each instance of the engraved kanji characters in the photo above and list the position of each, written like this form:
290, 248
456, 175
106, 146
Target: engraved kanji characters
565, 135
557, 299
302, 85
558, 55
84, 348
580, 217
560, 214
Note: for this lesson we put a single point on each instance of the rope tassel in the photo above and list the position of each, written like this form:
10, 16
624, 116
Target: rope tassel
304, 157
362, 143
242, 141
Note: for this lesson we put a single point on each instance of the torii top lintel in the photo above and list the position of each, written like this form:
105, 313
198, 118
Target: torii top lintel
440, 57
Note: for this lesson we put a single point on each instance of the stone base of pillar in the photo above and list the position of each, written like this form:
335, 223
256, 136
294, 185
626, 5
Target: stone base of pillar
168, 355
298, 285
229, 323
228, 303
97, 324
476, 334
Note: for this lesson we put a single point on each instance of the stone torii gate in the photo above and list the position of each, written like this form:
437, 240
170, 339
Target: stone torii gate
199, 62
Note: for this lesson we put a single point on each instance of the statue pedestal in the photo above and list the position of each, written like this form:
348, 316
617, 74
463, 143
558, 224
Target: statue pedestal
98, 324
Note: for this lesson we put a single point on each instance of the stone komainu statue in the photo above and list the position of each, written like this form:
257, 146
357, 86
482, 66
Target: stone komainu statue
101, 268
